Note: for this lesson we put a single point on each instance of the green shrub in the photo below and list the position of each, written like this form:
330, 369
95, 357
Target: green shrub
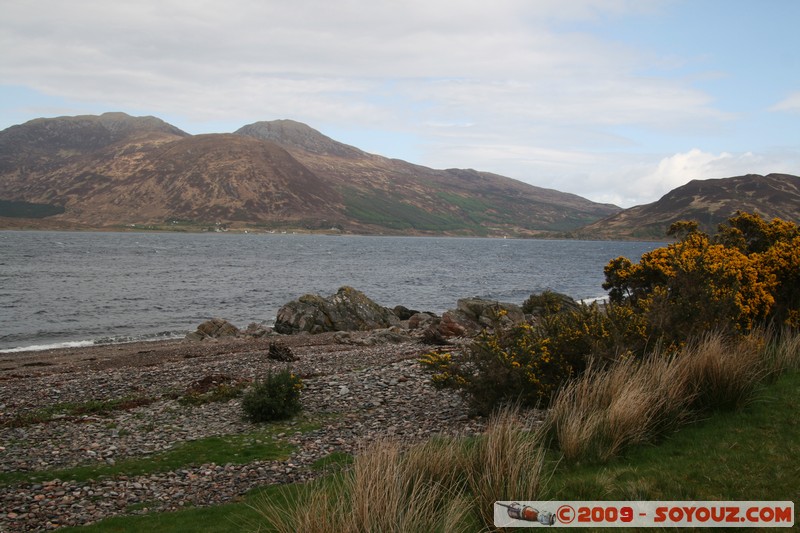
276, 398
527, 364
548, 302
501, 368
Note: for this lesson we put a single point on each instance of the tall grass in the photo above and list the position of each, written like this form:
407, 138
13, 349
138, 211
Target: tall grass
507, 463
605, 410
386, 490
451, 484
442, 485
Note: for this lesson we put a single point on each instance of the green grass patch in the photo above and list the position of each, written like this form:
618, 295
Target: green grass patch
221, 393
232, 517
333, 462
261, 444
75, 409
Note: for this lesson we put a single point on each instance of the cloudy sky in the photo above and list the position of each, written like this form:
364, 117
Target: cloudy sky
616, 100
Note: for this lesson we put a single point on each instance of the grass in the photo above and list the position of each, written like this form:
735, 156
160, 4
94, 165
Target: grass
74, 409
607, 410
232, 517
748, 454
227, 449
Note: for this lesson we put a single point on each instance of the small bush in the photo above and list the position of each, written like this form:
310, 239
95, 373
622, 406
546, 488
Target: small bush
276, 398
502, 368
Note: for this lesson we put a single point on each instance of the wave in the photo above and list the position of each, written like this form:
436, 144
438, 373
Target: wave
124, 339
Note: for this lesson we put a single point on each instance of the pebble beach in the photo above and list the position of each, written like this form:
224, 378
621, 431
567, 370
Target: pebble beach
354, 393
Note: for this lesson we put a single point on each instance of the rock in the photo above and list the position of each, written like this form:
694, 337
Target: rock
215, 328
422, 320
549, 302
256, 330
280, 352
471, 316
347, 310
487, 313
432, 335
404, 313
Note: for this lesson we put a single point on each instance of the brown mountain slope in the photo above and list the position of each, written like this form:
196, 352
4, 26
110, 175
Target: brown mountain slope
709, 202
400, 196
119, 170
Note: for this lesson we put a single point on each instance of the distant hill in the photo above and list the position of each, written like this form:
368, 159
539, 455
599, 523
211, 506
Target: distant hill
115, 170
709, 202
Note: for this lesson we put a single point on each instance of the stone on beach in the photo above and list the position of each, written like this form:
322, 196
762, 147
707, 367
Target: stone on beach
215, 328
347, 310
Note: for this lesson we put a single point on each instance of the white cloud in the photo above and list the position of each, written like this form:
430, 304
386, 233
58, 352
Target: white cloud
308, 58
678, 169
791, 103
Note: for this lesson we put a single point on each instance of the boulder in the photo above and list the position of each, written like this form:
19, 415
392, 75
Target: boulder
476, 314
549, 302
422, 320
256, 330
213, 329
347, 310
471, 316
404, 313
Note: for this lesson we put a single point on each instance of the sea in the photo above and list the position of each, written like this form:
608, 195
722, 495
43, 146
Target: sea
62, 289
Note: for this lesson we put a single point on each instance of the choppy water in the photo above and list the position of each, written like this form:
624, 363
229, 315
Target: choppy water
60, 287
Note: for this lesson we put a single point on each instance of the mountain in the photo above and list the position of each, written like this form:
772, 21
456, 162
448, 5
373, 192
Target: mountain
709, 202
115, 170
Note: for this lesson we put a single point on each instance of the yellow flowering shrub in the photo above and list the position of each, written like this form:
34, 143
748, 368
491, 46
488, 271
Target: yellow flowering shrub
505, 366
526, 364
747, 274
731, 282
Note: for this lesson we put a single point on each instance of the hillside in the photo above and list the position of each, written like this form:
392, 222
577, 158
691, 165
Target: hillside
114, 170
709, 202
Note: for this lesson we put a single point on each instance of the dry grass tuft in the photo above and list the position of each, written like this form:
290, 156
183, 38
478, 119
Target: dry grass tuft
387, 490
451, 484
447, 485
507, 462
604, 411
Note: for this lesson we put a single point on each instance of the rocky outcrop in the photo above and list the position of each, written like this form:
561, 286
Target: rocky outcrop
475, 314
347, 310
471, 316
213, 329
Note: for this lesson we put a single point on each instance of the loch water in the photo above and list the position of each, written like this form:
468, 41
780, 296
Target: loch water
72, 288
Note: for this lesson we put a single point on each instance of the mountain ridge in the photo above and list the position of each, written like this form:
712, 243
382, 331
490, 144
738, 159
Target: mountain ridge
709, 202
114, 170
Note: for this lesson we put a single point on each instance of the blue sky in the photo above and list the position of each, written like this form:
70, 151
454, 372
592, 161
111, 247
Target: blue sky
615, 100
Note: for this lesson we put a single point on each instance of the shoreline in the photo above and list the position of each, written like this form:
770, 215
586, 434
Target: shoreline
355, 393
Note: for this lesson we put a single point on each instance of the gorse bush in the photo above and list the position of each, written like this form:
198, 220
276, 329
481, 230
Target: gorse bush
745, 276
504, 367
527, 363
275, 398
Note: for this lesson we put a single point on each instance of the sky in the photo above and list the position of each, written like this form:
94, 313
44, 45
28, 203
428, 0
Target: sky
618, 101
